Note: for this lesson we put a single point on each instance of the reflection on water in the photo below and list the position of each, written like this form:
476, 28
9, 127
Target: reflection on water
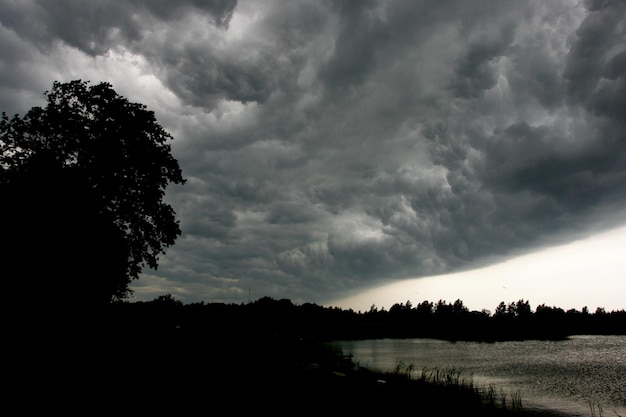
570, 375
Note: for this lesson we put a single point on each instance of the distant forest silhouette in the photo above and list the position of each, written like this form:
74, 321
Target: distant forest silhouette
440, 320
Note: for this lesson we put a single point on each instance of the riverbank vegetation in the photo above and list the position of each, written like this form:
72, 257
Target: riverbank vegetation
440, 320
183, 372
267, 355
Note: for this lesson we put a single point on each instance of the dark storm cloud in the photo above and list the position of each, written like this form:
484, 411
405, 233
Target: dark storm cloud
96, 26
476, 70
596, 69
331, 145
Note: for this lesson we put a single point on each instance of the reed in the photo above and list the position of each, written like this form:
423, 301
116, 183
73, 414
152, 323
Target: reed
456, 382
596, 409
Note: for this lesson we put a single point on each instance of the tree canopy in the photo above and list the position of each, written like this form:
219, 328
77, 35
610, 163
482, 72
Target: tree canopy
83, 182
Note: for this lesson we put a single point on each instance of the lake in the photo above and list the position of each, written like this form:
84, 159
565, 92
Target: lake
572, 375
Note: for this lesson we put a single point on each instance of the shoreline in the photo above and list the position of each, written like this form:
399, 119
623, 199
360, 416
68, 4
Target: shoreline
190, 369
580, 377
186, 375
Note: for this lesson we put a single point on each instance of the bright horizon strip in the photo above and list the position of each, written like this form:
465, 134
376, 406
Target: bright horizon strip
590, 273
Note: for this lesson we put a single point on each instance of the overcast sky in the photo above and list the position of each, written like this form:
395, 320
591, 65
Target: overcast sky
333, 145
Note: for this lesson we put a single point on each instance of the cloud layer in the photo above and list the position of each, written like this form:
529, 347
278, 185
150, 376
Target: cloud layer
332, 145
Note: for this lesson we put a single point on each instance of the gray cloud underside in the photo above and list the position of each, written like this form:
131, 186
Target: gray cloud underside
332, 145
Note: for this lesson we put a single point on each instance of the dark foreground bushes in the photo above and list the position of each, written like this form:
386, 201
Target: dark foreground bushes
268, 356
179, 372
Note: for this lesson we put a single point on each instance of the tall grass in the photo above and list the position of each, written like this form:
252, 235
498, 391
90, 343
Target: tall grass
455, 380
596, 409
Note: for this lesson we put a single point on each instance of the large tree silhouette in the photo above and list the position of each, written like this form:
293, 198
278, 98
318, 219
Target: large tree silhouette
82, 182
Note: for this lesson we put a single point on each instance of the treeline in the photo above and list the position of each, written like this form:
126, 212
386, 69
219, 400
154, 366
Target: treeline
441, 320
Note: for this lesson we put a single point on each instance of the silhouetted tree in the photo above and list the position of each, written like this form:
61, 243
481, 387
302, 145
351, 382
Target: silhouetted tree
425, 309
459, 308
167, 300
523, 310
500, 310
82, 183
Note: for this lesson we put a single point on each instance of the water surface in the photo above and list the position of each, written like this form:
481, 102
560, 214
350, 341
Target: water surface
573, 375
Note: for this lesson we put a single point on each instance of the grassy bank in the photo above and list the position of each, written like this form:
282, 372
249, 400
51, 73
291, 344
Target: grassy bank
432, 392
287, 376
189, 373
